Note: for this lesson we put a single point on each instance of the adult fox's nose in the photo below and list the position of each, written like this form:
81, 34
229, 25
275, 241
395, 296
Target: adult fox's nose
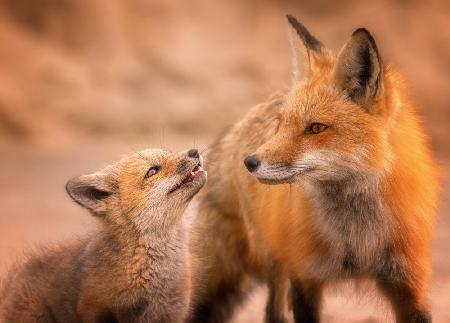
252, 163
193, 153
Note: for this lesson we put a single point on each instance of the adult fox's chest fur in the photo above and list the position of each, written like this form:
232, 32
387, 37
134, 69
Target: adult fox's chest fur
352, 219
333, 231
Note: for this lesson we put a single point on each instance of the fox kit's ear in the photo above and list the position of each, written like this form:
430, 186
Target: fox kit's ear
307, 49
359, 69
91, 191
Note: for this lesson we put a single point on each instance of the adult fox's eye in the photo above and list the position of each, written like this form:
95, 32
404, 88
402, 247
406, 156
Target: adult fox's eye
316, 128
152, 171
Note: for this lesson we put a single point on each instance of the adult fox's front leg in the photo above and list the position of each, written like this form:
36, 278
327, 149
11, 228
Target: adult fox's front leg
278, 287
305, 297
220, 300
221, 274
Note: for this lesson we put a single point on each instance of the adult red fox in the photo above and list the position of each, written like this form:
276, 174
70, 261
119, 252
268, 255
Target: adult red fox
352, 193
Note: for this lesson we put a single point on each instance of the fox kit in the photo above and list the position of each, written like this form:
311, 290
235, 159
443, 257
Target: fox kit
136, 268
343, 187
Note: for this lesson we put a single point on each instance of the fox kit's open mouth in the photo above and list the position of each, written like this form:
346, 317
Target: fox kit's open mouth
193, 174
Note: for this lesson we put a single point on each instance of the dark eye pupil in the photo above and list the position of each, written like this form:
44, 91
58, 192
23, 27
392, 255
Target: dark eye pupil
152, 171
316, 128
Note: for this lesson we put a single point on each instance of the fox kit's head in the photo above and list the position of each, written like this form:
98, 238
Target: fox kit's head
151, 185
335, 119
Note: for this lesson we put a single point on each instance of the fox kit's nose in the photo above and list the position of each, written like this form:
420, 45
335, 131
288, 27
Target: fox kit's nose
252, 163
193, 153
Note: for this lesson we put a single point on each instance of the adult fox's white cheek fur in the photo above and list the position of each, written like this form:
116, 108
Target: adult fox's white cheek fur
314, 166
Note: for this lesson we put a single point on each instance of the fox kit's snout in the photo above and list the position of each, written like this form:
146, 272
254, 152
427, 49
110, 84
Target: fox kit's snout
190, 174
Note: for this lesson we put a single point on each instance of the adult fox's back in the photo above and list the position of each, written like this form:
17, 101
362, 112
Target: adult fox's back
353, 196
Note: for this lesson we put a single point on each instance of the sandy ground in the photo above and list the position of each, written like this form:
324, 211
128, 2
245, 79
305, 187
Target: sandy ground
35, 210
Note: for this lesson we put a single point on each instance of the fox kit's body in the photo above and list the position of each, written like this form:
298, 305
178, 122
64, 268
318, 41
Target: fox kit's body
353, 189
136, 269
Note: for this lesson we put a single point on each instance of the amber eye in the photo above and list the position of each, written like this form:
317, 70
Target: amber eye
152, 171
316, 128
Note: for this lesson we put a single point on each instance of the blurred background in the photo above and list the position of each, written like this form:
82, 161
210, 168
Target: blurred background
84, 81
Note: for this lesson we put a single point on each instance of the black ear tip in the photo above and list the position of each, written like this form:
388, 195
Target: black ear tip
293, 21
309, 40
364, 36
363, 32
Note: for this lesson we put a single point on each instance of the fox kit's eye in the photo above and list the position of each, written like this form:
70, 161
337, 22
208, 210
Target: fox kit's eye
152, 171
316, 128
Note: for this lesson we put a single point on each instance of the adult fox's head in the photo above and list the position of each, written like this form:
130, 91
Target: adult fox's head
336, 118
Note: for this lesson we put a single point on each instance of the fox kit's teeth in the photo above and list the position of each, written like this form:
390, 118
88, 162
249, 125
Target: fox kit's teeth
196, 170
189, 178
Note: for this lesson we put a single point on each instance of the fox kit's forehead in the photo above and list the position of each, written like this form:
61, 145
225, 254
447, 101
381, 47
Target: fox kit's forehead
151, 155
145, 157
132, 168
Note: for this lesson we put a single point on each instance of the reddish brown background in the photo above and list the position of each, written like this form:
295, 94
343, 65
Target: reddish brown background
84, 81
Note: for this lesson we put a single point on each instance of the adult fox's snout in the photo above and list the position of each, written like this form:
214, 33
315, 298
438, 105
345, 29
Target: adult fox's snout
252, 163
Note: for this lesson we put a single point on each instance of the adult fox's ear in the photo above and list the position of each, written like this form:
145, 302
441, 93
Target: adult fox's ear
91, 191
307, 49
359, 69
